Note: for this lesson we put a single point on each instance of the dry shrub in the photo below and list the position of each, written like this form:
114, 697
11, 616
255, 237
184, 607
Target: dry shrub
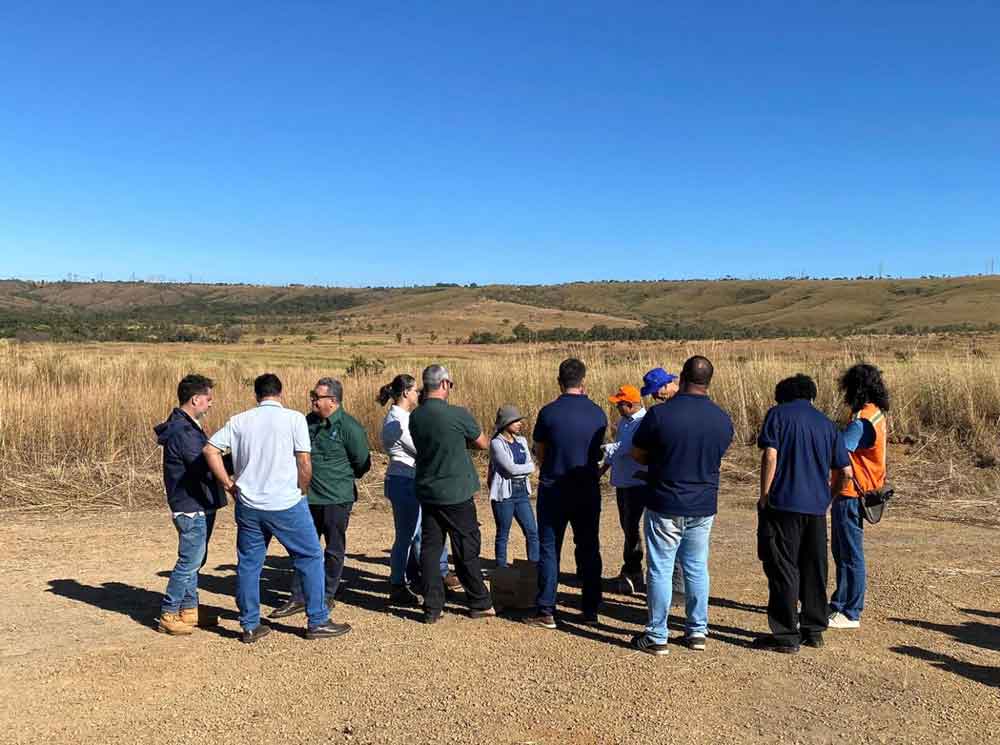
76, 423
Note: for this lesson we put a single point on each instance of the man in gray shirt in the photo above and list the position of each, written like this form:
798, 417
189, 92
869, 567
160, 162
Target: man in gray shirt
273, 467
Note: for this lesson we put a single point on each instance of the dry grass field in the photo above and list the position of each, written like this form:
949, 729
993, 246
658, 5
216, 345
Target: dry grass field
76, 421
88, 545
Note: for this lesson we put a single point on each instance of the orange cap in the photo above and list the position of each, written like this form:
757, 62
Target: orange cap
628, 393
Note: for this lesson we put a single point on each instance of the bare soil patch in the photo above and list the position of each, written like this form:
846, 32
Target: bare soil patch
81, 663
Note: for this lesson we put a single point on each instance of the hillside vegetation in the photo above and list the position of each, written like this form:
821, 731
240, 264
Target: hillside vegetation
139, 311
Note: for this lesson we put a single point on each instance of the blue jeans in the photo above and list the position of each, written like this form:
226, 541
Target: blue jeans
847, 539
556, 511
518, 507
295, 531
686, 540
404, 560
193, 535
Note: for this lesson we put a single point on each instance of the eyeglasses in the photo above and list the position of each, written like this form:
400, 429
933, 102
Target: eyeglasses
449, 381
314, 397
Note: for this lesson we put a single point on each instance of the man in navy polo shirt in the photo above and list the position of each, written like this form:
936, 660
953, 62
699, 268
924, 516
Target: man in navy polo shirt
800, 446
568, 436
683, 441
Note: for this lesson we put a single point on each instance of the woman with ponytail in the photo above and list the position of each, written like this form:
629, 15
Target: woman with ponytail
404, 562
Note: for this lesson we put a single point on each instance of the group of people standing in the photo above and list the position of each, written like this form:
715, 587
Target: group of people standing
665, 464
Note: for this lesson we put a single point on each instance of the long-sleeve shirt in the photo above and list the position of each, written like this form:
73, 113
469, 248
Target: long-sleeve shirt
398, 443
507, 465
618, 454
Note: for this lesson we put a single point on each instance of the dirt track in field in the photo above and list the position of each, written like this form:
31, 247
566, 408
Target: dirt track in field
81, 663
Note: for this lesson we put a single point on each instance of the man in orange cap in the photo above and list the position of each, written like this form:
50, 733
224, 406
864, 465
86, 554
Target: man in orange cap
629, 479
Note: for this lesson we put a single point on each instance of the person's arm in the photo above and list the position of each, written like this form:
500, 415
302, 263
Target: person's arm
841, 472
303, 462
503, 460
475, 438
643, 439
213, 457
639, 455
357, 451
220, 442
768, 441
302, 447
768, 467
406, 441
841, 477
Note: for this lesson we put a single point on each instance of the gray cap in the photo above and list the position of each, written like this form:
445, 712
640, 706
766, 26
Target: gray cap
506, 415
434, 375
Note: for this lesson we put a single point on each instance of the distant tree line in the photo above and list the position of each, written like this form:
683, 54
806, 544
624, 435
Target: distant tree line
684, 332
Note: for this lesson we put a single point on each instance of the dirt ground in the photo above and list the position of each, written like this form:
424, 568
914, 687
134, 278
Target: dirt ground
80, 661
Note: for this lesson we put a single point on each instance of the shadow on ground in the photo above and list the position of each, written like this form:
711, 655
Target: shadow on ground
989, 676
137, 603
973, 633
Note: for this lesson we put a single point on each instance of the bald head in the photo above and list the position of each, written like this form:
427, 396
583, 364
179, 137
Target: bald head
697, 372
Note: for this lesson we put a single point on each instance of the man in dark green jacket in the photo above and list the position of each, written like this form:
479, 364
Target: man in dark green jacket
339, 456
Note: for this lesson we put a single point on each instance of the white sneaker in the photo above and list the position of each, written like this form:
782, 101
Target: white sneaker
839, 621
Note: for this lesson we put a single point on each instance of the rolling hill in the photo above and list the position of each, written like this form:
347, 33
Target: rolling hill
725, 307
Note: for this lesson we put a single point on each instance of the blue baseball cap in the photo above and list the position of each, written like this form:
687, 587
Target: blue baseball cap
655, 379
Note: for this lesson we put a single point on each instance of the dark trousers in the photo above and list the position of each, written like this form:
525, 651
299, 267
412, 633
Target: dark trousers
792, 547
580, 510
631, 505
459, 523
331, 522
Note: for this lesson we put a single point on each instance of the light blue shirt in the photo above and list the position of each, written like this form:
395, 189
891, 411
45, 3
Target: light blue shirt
264, 442
618, 454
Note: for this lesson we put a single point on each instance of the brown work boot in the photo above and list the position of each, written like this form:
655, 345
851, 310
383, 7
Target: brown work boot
194, 617
171, 623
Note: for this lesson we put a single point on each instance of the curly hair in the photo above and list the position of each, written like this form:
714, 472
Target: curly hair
863, 384
793, 388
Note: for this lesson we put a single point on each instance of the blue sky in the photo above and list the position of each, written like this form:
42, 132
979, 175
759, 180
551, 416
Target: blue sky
372, 143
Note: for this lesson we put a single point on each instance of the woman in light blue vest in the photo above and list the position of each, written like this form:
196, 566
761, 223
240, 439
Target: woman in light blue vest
510, 489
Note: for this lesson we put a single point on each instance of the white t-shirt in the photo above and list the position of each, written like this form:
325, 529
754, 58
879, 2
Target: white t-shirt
264, 441
397, 443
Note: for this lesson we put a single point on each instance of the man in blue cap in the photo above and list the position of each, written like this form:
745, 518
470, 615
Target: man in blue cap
659, 384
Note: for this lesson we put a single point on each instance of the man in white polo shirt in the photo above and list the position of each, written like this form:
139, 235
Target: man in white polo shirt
273, 467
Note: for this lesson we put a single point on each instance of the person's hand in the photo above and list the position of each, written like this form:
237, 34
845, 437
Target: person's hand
230, 488
762, 502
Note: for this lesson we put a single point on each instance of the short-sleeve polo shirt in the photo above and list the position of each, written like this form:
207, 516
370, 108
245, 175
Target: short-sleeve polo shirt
809, 446
572, 429
444, 470
684, 439
264, 442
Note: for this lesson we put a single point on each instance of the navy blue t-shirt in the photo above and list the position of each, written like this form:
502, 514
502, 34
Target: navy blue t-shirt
685, 439
809, 445
572, 428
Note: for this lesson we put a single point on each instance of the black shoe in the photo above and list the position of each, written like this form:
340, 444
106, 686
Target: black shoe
482, 612
291, 608
590, 619
403, 596
430, 618
694, 642
252, 636
327, 630
770, 644
643, 643
812, 640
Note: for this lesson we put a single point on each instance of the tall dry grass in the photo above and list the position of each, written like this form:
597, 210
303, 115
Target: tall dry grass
76, 423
